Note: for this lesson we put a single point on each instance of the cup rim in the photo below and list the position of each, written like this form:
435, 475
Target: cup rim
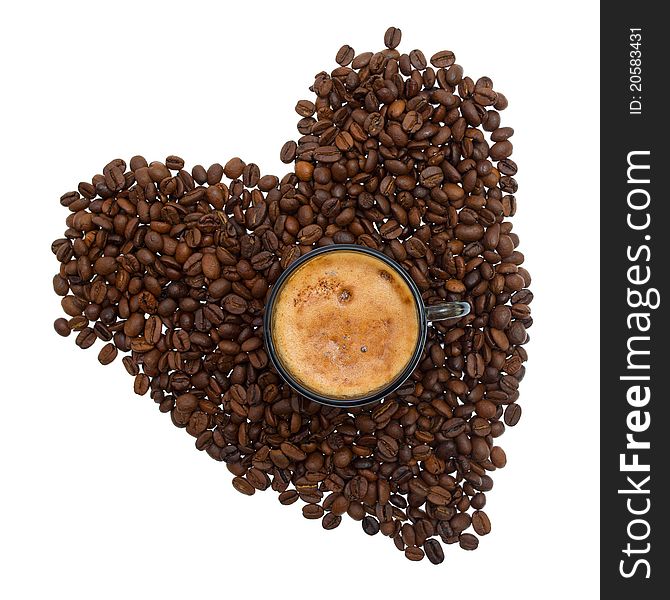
374, 396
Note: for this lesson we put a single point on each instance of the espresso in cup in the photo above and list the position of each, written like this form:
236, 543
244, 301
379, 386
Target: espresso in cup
345, 324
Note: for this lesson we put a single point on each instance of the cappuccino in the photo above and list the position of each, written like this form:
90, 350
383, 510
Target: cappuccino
345, 324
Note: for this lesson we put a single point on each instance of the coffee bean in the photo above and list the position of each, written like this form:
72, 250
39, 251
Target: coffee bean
312, 511
500, 150
262, 261
235, 304
305, 108
258, 479
431, 177
141, 385
344, 55
392, 39
107, 354
86, 338
73, 306
469, 233
481, 523
132, 368
434, 551
310, 234
507, 166
105, 265
288, 152
517, 333
174, 163
304, 170
288, 497
454, 74
61, 326
214, 174
327, 154
414, 553
512, 414
370, 525
197, 423
498, 457
187, 403
60, 285
467, 541
442, 59
331, 521
417, 59
292, 452
501, 134
500, 317
153, 329
243, 486
234, 168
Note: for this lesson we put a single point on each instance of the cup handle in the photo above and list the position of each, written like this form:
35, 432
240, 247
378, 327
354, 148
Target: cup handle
447, 310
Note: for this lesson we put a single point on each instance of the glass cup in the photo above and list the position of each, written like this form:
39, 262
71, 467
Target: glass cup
425, 314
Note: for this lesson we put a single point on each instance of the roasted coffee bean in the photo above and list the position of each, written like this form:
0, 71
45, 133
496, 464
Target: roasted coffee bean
235, 304
152, 329
79, 322
512, 414
288, 152
304, 170
243, 486
86, 338
468, 541
500, 150
498, 457
344, 55
73, 306
258, 479
517, 333
327, 154
107, 354
174, 163
105, 265
141, 385
507, 167
61, 326
132, 368
414, 553
214, 174
331, 521
102, 331
434, 551
500, 317
234, 168
292, 452
417, 59
211, 268
391, 38
305, 108
370, 525
442, 59
431, 177
312, 511
288, 497
60, 285
310, 234
481, 523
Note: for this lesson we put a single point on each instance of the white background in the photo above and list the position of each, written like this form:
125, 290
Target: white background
102, 497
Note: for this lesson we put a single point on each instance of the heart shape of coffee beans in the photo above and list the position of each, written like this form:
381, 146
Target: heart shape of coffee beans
172, 268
